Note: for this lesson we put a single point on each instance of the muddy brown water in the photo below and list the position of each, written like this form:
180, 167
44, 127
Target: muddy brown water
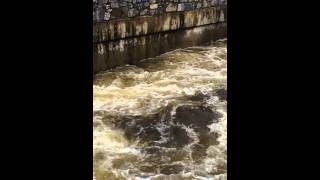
164, 118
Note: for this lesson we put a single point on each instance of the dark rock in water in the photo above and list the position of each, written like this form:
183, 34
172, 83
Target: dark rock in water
178, 137
139, 127
157, 156
222, 93
152, 149
160, 155
198, 151
208, 139
178, 155
149, 135
147, 168
163, 137
144, 129
197, 117
199, 97
171, 169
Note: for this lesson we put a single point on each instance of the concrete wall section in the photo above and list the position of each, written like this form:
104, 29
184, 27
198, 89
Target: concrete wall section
132, 50
127, 31
138, 26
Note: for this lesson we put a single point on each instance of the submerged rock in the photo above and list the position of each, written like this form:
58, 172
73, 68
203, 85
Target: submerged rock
171, 169
198, 117
222, 93
162, 137
200, 97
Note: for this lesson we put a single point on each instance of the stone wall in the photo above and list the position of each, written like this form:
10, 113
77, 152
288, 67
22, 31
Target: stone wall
104, 10
127, 31
139, 26
131, 50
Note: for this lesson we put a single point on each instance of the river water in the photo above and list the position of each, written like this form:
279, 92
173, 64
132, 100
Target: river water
164, 118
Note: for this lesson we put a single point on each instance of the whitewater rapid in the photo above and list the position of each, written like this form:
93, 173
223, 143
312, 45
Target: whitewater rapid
164, 118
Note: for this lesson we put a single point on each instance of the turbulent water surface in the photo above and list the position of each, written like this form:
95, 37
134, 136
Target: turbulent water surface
164, 118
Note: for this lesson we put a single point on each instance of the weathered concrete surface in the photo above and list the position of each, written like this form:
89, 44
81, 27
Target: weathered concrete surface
131, 50
126, 40
145, 25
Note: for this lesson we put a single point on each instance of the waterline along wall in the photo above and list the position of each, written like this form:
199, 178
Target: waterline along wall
127, 31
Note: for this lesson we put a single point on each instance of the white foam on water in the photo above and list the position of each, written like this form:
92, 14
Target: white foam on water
144, 90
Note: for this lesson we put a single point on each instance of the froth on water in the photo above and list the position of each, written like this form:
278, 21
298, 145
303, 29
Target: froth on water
164, 118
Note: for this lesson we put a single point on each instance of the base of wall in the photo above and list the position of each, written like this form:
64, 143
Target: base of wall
132, 50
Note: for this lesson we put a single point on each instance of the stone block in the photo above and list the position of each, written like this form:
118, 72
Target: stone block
106, 16
114, 5
188, 6
153, 6
144, 12
133, 12
180, 7
171, 7
199, 5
